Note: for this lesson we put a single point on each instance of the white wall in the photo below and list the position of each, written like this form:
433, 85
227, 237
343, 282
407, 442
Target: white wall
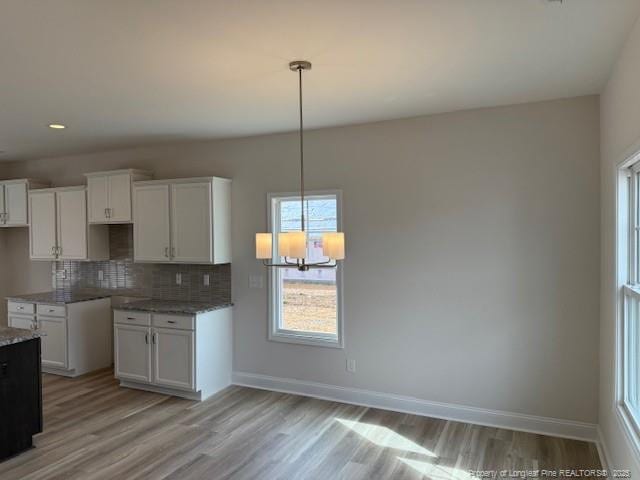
620, 135
472, 251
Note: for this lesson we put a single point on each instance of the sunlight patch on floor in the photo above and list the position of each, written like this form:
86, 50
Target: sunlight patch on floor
435, 471
385, 437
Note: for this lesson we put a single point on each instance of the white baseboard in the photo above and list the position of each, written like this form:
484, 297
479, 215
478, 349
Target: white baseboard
603, 451
446, 411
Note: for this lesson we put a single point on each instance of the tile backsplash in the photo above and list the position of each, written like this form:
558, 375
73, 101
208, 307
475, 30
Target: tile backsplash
124, 277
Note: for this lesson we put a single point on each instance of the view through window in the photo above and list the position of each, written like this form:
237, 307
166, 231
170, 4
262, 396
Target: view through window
306, 303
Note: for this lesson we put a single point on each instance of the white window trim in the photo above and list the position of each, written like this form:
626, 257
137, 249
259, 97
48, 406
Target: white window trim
277, 334
627, 286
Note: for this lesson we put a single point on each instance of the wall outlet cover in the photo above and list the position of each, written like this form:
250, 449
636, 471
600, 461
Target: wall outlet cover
100, 275
205, 280
351, 365
178, 279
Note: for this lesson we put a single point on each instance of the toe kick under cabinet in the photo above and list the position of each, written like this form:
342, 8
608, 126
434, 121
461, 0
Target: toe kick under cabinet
76, 338
183, 355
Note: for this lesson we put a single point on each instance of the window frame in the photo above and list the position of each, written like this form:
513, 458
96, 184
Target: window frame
277, 334
627, 277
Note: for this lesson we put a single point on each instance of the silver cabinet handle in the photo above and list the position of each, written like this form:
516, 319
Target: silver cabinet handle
146, 338
20, 308
153, 337
130, 318
166, 252
171, 321
106, 213
173, 252
110, 212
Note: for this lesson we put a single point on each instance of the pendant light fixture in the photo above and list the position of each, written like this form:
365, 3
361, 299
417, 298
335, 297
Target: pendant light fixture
292, 246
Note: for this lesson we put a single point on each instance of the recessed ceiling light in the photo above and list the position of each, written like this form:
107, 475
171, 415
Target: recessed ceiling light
57, 126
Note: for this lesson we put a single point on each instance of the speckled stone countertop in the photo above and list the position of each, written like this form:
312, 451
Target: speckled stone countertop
58, 297
9, 336
173, 306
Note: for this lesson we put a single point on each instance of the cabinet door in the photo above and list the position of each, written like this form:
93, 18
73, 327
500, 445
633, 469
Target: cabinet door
191, 223
15, 195
54, 341
98, 196
120, 197
151, 231
173, 358
72, 224
132, 353
42, 231
21, 321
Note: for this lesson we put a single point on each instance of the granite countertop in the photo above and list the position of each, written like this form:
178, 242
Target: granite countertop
58, 297
9, 336
173, 306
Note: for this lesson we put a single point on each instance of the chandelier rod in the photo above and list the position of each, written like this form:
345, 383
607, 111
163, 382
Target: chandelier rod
301, 148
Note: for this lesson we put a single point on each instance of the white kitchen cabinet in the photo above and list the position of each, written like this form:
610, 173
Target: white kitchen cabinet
184, 355
151, 229
132, 353
14, 211
110, 195
54, 341
76, 337
173, 358
59, 228
42, 231
22, 321
183, 221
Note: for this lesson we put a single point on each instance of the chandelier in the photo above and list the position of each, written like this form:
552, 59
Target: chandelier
292, 246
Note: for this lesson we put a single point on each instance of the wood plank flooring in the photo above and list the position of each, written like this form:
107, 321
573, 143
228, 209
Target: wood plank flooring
96, 430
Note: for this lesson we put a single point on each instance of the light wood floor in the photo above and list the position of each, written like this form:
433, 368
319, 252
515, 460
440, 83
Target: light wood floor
97, 430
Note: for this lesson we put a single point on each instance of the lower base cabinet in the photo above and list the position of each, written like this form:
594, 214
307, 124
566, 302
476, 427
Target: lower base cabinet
188, 356
76, 338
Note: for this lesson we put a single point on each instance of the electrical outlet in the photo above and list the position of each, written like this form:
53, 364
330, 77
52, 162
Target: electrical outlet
256, 281
178, 279
205, 280
351, 365
100, 275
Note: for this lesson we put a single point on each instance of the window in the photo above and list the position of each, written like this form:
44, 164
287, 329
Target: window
628, 278
306, 307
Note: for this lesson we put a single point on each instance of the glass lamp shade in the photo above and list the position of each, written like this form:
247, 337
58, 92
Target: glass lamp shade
297, 244
283, 245
264, 245
333, 245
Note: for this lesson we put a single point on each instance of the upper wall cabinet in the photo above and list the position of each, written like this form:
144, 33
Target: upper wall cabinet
182, 221
109, 195
14, 211
59, 228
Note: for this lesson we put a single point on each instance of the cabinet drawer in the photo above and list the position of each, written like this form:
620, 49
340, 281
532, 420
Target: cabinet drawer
52, 310
182, 322
132, 318
21, 308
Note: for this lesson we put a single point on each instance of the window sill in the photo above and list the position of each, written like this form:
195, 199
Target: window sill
629, 427
330, 341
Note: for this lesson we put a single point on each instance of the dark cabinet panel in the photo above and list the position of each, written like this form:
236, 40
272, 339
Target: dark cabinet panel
20, 396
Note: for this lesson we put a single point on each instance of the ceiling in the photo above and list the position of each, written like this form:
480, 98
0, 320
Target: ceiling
138, 72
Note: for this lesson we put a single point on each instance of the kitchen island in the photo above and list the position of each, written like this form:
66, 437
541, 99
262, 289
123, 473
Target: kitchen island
20, 390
